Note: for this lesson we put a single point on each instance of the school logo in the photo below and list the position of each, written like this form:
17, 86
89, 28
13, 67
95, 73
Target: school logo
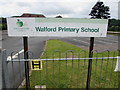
21, 26
19, 23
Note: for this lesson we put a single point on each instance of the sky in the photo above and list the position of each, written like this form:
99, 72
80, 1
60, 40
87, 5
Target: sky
53, 8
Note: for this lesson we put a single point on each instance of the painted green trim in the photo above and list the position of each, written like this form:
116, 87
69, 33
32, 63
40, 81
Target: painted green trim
70, 20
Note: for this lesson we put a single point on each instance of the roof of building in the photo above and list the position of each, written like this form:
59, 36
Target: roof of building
30, 15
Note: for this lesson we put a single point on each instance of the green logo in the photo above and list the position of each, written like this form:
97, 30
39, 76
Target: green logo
19, 23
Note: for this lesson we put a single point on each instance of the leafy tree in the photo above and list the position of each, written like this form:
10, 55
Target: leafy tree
100, 11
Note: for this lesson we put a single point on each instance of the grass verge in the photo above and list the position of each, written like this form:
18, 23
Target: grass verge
73, 73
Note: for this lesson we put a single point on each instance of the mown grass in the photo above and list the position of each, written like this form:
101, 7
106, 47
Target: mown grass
73, 73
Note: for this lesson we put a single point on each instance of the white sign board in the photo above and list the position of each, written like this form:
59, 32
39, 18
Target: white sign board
60, 27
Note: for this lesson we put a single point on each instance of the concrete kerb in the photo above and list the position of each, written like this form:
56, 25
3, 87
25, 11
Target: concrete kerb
44, 48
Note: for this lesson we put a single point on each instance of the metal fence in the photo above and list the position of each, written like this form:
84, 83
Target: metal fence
13, 73
69, 70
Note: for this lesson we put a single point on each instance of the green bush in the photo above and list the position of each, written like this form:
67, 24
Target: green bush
3, 26
114, 28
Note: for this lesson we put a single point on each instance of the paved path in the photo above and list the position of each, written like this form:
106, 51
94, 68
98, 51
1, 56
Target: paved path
110, 42
102, 43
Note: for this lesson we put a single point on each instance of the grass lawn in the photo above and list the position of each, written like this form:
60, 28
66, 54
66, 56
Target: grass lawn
73, 73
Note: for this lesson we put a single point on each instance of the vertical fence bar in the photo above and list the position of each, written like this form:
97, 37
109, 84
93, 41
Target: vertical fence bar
46, 72
84, 66
25, 42
90, 63
96, 68
59, 55
19, 66
78, 70
71, 79
34, 78
40, 77
59, 69
66, 62
13, 73
101, 67
31, 56
53, 70
66, 68
72, 68
13, 70
41, 70
119, 72
112, 64
106, 68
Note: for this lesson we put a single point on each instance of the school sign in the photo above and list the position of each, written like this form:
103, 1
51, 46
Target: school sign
59, 27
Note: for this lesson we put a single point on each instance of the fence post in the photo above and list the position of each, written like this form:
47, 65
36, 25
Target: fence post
90, 63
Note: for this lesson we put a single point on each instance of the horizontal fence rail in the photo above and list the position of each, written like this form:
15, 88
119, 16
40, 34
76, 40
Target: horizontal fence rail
17, 60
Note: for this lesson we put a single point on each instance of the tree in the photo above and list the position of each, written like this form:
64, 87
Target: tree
100, 11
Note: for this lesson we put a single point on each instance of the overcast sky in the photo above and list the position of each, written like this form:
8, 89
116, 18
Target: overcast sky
53, 8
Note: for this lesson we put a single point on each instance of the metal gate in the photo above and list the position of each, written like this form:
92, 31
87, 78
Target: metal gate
64, 70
